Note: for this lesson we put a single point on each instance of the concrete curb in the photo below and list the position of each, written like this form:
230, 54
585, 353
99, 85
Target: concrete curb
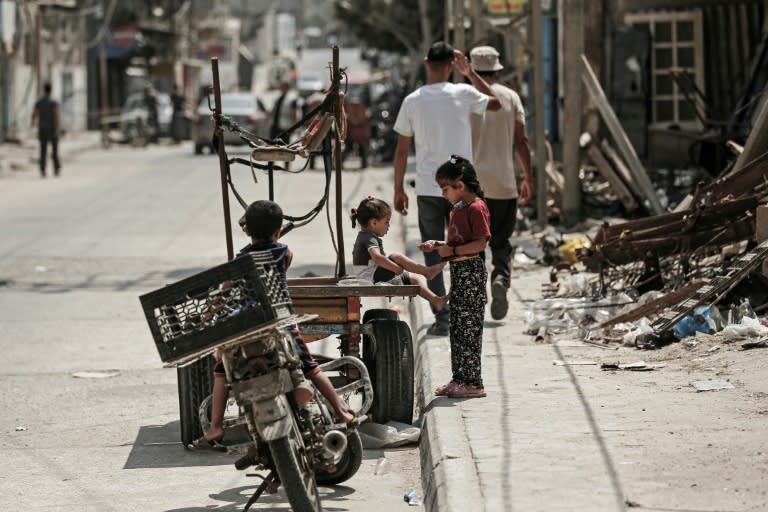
449, 476
448, 473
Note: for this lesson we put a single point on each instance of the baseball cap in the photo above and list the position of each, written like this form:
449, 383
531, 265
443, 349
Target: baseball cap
485, 58
440, 52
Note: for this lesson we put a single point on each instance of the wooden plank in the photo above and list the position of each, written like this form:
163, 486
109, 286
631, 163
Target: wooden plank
408, 290
757, 140
654, 306
640, 177
618, 186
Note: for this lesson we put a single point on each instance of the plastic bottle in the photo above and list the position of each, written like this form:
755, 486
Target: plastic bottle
745, 309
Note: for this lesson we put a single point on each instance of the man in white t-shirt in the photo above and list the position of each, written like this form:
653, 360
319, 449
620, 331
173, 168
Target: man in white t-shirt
437, 115
495, 140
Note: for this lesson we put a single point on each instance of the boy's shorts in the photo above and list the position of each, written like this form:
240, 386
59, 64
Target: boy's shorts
308, 364
383, 275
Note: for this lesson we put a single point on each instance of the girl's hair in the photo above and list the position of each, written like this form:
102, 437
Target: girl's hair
368, 209
460, 169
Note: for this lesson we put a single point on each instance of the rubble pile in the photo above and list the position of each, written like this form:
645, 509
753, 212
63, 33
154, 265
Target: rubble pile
655, 280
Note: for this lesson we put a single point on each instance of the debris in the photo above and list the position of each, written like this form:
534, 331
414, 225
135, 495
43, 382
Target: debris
712, 293
619, 135
20, 429
755, 344
711, 385
748, 327
713, 349
382, 466
376, 435
96, 375
559, 362
652, 302
411, 498
639, 366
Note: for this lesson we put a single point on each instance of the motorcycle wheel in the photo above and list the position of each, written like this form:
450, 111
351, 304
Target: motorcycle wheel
347, 466
296, 475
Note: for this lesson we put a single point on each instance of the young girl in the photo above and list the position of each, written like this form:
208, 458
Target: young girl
468, 233
372, 264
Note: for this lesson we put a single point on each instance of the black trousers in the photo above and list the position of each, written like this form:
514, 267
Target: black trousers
54, 141
433, 221
503, 220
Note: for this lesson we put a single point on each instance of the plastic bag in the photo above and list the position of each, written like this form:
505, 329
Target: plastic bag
376, 435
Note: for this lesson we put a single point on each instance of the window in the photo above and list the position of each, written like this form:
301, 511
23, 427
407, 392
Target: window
676, 47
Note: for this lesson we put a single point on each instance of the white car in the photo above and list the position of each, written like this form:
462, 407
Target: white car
134, 114
244, 108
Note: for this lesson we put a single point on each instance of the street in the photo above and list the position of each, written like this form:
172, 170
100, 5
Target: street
91, 417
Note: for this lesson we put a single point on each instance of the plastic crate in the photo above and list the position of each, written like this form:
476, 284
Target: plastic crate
191, 317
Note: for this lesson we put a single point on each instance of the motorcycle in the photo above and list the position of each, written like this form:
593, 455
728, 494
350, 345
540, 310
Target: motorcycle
299, 446
383, 138
242, 311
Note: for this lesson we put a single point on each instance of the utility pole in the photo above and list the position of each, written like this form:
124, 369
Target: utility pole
573, 47
458, 34
537, 90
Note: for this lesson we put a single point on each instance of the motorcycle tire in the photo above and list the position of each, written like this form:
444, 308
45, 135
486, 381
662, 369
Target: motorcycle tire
194, 382
347, 466
388, 355
295, 473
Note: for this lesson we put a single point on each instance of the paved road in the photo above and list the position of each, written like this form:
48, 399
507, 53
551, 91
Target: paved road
74, 256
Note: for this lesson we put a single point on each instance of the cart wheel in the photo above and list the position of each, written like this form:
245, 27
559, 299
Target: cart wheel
194, 385
388, 355
380, 314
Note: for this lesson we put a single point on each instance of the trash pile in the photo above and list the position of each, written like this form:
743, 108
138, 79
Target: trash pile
652, 281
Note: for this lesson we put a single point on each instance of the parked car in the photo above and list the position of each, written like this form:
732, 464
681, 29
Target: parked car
245, 109
134, 119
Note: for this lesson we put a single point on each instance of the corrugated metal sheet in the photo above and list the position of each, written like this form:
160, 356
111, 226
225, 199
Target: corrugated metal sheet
732, 35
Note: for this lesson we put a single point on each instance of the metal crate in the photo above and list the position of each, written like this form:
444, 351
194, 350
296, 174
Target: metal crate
190, 318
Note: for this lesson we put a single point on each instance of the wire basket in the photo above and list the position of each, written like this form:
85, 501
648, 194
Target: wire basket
191, 317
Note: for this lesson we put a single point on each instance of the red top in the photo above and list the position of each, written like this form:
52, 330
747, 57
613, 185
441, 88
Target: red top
469, 222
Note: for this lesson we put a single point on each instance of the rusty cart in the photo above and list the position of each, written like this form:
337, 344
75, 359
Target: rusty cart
377, 336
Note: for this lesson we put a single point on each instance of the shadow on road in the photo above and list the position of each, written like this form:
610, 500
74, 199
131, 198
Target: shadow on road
159, 446
235, 499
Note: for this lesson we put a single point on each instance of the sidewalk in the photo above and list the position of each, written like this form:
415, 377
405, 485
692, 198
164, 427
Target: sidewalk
15, 157
576, 438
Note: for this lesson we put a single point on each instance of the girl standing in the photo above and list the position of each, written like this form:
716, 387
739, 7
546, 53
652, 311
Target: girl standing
468, 234
372, 264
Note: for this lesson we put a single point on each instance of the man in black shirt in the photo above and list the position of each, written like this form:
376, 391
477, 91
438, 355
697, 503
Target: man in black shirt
46, 114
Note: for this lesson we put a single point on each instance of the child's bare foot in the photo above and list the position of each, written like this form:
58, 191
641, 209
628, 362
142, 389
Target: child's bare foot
434, 270
440, 302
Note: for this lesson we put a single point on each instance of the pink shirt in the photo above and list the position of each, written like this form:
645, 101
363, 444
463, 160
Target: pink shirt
468, 223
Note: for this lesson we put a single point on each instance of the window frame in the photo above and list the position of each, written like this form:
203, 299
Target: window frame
651, 19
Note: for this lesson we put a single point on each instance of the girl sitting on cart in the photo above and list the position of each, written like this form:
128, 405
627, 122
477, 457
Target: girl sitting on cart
372, 264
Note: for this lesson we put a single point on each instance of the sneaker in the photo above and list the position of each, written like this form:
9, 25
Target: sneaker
462, 391
446, 389
499, 303
439, 329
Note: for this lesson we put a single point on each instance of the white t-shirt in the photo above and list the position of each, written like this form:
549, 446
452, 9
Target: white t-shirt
437, 117
493, 143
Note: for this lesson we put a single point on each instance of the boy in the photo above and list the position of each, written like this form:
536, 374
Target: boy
263, 223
